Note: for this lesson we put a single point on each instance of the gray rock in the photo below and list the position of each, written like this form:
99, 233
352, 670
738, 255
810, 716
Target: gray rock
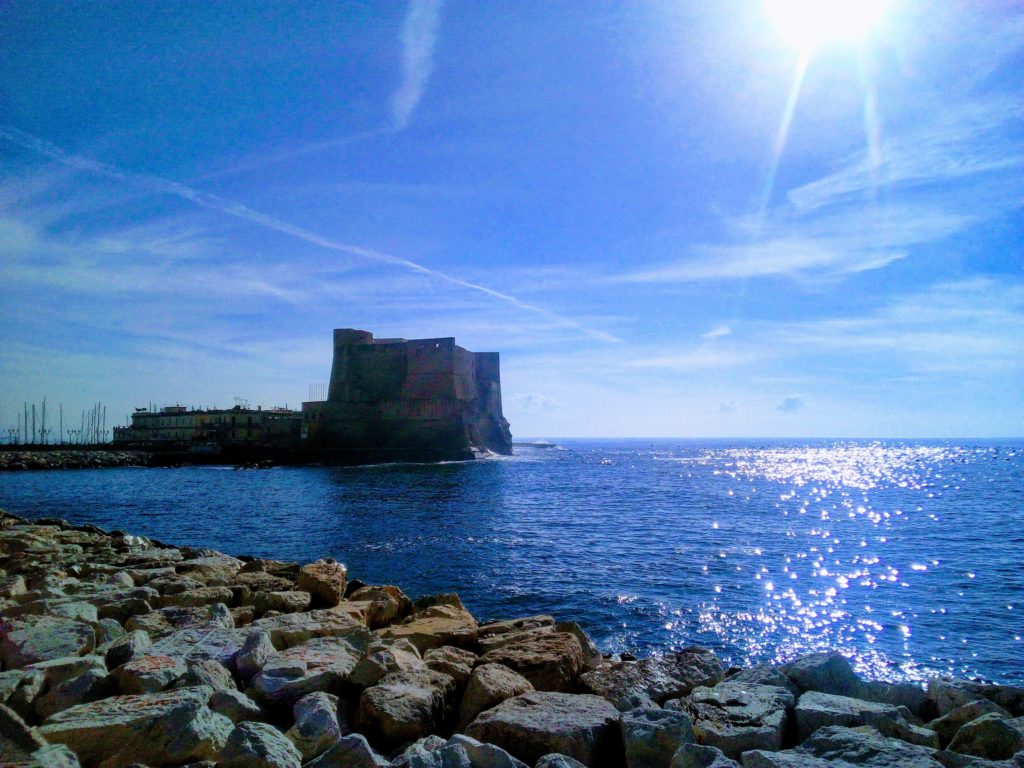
353, 751
652, 736
206, 672
218, 644
434, 626
159, 729
488, 686
191, 598
583, 726
88, 686
763, 674
909, 695
385, 604
124, 649
9, 682
419, 753
947, 725
255, 652
321, 664
405, 706
949, 694
316, 726
165, 621
454, 662
700, 756
815, 710
235, 706
551, 661
461, 748
735, 717
591, 655
148, 674
29, 639
991, 736
956, 760
292, 629
656, 678
107, 631
374, 667
324, 580
17, 740
556, 760
258, 745
825, 672
841, 746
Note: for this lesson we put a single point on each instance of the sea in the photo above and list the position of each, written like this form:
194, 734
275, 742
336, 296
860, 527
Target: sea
905, 555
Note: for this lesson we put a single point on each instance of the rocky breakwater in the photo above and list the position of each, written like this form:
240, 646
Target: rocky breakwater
71, 458
117, 651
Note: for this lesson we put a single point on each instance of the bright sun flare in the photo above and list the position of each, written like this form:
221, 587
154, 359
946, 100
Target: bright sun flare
809, 24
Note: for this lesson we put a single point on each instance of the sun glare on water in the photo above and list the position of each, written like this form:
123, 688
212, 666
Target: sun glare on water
809, 24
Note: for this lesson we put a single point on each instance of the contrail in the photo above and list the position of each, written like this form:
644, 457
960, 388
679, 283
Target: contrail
240, 211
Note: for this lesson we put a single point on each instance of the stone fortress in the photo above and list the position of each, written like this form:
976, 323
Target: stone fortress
394, 399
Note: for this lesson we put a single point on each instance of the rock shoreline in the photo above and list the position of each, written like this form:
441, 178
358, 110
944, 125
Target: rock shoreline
71, 458
117, 650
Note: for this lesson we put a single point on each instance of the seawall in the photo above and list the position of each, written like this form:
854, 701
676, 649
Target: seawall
116, 649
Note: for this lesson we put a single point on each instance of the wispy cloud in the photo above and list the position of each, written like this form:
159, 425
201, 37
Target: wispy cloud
239, 211
717, 332
419, 35
791, 404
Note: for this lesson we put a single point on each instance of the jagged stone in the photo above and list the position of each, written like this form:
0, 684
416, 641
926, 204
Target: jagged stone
199, 644
17, 740
815, 710
212, 567
992, 736
376, 665
651, 736
419, 753
947, 725
763, 674
556, 760
255, 652
206, 672
735, 717
354, 751
322, 664
701, 756
655, 679
404, 706
316, 727
435, 626
909, 695
488, 686
148, 674
529, 726
384, 604
295, 628
455, 662
160, 729
90, 685
9, 682
122, 610
192, 598
29, 639
838, 745
235, 705
462, 750
825, 672
949, 694
124, 649
166, 621
258, 745
107, 631
551, 661
591, 655
324, 580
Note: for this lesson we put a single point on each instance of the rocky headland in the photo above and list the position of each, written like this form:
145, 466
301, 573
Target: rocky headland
71, 458
117, 650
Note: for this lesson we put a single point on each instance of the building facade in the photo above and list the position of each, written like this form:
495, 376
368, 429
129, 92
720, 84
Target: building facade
178, 424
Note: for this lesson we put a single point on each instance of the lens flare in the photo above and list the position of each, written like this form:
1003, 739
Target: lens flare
808, 24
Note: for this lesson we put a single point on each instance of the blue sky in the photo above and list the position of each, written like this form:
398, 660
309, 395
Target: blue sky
192, 195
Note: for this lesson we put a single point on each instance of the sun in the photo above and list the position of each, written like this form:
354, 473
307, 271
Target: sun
810, 24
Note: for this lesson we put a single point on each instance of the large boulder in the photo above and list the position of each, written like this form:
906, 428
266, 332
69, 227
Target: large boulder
405, 706
29, 639
157, 729
258, 745
208, 644
256, 651
816, 710
352, 751
948, 694
235, 706
316, 726
148, 674
488, 686
655, 679
947, 725
700, 756
166, 621
651, 736
127, 647
435, 626
324, 580
294, 628
735, 717
321, 664
456, 662
384, 604
992, 736
551, 661
840, 746
583, 726
828, 672
380, 662
197, 597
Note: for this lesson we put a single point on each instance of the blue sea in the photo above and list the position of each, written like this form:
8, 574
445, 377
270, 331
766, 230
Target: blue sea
905, 555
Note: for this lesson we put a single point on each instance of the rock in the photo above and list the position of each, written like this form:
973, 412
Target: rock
148, 674
584, 727
991, 736
840, 746
288, 601
591, 655
17, 741
699, 756
816, 710
947, 725
555, 760
235, 706
374, 667
652, 736
956, 760
88, 686
909, 695
825, 672
214, 567
209, 644
254, 653
488, 686
295, 628
352, 751
316, 726
735, 717
763, 674
159, 729
57, 671
324, 580
462, 750
206, 672
165, 621
950, 694
29, 639
191, 598
551, 661
404, 706
657, 678
385, 605
492, 630
258, 745
435, 626
9, 682
419, 753
107, 631
455, 662
30, 687
322, 664
124, 649
122, 610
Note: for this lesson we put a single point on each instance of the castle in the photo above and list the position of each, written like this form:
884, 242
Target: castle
393, 399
